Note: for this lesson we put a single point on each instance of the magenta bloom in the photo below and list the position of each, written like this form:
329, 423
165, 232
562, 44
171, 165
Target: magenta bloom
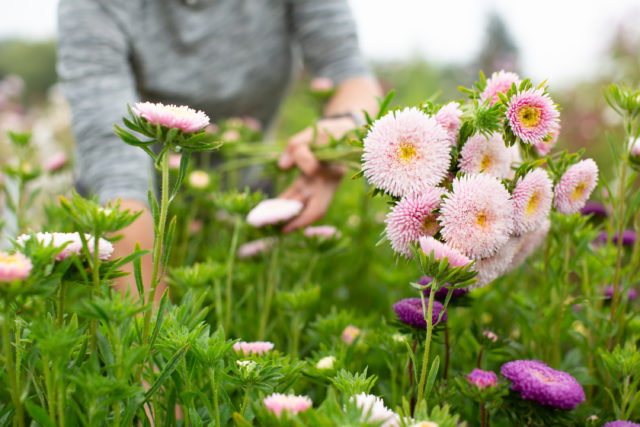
536, 381
532, 115
441, 294
255, 347
621, 423
532, 199
477, 217
628, 237
499, 82
56, 162
596, 209
449, 118
291, 403
273, 211
575, 186
544, 146
441, 251
409, 310
608, 293
482, 379
14, 267
412, 218
489, 155
171, 116
322, 232
405, 153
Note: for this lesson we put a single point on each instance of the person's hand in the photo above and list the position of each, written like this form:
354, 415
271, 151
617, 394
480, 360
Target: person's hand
319, 181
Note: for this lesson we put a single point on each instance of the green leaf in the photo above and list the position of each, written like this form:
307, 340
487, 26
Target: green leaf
137, 273
171, 365
184, 165
38, 414
167, 243
431, 379
384, 104
159, 317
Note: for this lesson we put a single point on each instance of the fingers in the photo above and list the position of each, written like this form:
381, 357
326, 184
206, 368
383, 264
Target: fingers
298, 151
315, 209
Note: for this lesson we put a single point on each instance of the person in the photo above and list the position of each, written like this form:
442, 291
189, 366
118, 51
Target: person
225, 57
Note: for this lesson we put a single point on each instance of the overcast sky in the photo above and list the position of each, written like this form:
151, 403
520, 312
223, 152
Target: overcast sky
558, 39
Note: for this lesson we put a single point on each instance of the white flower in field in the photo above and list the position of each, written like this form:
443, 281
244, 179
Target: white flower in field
273, 211
199, 179
326, 363
374, 410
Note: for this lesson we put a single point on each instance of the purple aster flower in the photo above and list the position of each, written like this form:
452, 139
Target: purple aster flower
621, 423
441, 294
409, 310
482, 379
535, 380
608, 293
596, 209
628, 238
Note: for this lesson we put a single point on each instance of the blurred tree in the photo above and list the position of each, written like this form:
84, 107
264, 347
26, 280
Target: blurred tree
499, 51
34, 62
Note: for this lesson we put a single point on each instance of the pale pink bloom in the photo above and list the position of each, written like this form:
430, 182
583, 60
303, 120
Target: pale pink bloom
195, 226
476, 218
71, 244
231, 135
406, 152
291, 403
212, 128
425, 424
321, 84
198, 179
56, 162
449, 118
441, 251
575, 186
105, 248
350, 334
532, 115
634, 146
184, 118
322, 231
252, 123
255, 347
499, 82
490, 155
489, 269
374, 410
14, 267
529, 243
255, 247
273, 211
174, 161
412, 218
516, 160
490, 336
544, 146
532, 198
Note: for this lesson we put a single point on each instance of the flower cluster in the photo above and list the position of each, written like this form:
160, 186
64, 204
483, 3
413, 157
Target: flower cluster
278, 402
14, 267
256, 347
70, 243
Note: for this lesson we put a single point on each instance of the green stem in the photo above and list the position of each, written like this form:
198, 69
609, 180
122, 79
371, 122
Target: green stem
312, 264
295, 333
61, 300
214, 387
447, 352
95, 272
230, 261
427, 345
271, 286
61, 402
586, 289
563, 295
51, 399
11, 373
245, 400
118, 354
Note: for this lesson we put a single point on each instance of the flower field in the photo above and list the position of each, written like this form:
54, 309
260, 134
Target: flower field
469, 272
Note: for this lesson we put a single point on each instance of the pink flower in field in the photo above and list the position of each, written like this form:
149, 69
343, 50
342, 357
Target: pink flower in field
476, 218
184, 118
374, 410
14, 267
441, 251
350, 334
212, 128
255, 347
634, 147
490, 336
71, 244
516, 160
482, 379
490, 155
322, 231
490, 268
195, 226
449, 118
499, 82
231, 135
292, 403
532, 115
252, 123
198, 179
412, 218
532, 199
575, 186
254, 248
174, 161
544, 146
406, 152
273, 211
56, 162
321, 84
529, 243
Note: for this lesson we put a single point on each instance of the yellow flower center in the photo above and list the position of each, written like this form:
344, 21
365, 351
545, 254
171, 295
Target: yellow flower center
429, 225
485, 163
407, 152
529, 116
482, 219
543, 377
533, 204
578, 191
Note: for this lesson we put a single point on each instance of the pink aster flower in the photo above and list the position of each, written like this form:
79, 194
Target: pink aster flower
441, 251
105, 248
277, 403
255, 248
499, 82
482, 379
323, 232
252, 123
174, 161
634, 146
476, 218
273, 211
490, 155
374, 410
490, 336
14, 267
198, 179
184, 118
231, 135
406, 152
70, 244
449, 118
490, 268
575, 186
255, 347
528, 243
544, 146
532, 199
412, 218
532, 115
349, 334
56, 162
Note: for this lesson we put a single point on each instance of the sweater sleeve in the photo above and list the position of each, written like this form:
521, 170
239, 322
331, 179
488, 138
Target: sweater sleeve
327, 34
98, 81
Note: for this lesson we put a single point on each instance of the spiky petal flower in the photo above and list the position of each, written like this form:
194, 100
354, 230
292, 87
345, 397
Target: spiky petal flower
374, 410
441, 251
278, 402
544, 146
255, 347
476, 218
490, 268
532, 115
273, 211
575, 186
621, 423
180, 117
482, 379
14, 267
70, 244
529, 243
449, 118
409, 310
412, 218
499, 82
406, 152
532, 198
486, 154
536, 381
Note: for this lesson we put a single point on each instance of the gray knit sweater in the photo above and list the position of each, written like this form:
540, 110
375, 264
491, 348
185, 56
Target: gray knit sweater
226, 57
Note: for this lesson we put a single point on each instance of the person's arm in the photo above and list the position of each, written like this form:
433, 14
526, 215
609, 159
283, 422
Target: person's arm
327, 33
98, 81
